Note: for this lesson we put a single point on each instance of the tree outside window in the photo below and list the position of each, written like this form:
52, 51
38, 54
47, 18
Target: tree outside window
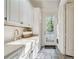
50, 25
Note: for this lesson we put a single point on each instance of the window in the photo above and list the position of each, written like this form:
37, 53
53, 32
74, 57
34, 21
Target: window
49, 24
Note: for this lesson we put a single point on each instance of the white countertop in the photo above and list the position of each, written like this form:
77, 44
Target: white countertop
30, 38
11, 48
27, 42
24, 41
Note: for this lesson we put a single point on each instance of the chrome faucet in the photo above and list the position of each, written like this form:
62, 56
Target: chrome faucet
16, 33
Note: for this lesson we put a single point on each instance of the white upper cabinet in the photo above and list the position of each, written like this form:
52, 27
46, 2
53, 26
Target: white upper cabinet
20, 11
14, 10
26, 12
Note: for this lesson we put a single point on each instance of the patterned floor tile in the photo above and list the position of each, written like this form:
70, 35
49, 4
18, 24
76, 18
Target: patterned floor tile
47, 54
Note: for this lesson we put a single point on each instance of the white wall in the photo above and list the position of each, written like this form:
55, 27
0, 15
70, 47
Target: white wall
37, 21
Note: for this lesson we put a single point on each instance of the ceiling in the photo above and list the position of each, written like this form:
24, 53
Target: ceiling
44, 3
48, 6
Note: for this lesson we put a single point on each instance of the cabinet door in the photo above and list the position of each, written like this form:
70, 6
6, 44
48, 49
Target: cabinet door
20, 11
70, 29
7, 7
26, 12
14, 10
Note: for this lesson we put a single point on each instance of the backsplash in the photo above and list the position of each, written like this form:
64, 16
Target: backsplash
9, 33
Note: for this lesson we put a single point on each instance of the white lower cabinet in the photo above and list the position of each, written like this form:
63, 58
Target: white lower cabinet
36, 49
14, 55
31, 54
26, 55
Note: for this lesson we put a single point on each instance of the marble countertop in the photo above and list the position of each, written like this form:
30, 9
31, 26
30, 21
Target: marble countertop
24, 41
27, 42
34, 37
8, 49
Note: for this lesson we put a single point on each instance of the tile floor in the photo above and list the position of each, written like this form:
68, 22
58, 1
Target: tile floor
46, 53
50, 53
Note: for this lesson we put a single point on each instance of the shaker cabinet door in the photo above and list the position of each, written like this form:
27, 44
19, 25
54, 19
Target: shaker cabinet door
70, 29
26, 12
19, 11
13, 10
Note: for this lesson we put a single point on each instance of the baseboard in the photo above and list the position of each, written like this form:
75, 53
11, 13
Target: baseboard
63, 56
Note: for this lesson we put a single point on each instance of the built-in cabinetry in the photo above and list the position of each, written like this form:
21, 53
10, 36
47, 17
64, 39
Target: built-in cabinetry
26, 12
65, 28
36, 48
31, 49
19, 11
13, 53
70, 29
13, 10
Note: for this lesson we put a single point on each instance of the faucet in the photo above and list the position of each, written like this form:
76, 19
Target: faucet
16, 33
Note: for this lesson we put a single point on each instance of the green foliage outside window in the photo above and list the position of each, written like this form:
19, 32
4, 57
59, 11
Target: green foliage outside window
50, 25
